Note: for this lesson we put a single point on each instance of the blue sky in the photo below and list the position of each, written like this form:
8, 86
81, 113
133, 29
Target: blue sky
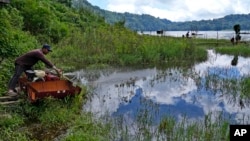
177, 10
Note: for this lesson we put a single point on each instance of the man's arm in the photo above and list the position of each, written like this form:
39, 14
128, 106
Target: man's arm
48, 63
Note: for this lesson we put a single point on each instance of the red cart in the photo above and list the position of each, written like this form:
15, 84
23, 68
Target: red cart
49, 86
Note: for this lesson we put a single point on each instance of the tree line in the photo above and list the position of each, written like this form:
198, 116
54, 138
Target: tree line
147, 22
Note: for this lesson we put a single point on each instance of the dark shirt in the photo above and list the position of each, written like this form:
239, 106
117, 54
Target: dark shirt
31, 58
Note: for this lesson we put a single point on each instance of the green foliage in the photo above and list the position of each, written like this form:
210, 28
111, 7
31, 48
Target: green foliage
6, 69
115, 45
241, 49
44, 116
16, 45
86, 128
36, 17
237, 32
11, 135
237, 28
66, 2
194, 130
245, 88
7, 48
9, 122
42, 20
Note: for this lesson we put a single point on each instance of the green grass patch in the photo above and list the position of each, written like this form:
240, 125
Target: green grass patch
241, 50
245, 88
47, 119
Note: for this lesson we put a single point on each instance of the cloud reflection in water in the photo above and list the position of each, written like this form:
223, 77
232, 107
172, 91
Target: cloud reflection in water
171, 90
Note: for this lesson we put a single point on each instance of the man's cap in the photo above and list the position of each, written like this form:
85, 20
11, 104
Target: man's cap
47, 47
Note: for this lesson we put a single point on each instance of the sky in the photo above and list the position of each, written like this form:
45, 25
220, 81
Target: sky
177, 10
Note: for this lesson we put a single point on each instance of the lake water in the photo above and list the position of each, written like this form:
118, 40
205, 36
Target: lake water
205, 88
203, 34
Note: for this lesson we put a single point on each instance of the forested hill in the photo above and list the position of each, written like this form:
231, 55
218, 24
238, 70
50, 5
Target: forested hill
148, 23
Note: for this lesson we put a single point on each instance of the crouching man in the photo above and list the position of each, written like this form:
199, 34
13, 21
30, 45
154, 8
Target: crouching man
25, 62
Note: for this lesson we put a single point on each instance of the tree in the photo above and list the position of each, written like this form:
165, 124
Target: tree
66, 2
237, 32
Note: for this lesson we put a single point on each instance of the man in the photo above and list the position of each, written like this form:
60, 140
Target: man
25, 62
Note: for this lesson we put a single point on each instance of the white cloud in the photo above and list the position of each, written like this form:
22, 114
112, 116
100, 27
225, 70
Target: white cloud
178, 10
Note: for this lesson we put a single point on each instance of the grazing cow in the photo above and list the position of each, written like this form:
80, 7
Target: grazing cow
159, 32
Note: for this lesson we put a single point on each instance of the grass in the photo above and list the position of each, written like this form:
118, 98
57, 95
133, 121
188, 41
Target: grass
137, 49
35, 122
27, 121
205, 129
241, 50
208, 128
90, 43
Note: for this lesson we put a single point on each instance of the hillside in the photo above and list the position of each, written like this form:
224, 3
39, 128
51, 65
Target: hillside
26, 25
148, 23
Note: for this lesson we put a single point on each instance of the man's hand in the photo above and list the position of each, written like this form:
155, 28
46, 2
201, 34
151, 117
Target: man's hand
58, 71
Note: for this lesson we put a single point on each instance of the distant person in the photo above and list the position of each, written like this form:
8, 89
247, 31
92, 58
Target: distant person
238, 38
232, 40
25, 62
187, 34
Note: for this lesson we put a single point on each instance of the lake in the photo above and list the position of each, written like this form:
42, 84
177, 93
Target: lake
203, 34
194, 93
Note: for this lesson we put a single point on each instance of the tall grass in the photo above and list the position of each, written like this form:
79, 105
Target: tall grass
205, 129
122, 47
169, 128
241, 50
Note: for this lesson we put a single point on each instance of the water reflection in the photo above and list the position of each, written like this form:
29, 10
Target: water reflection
211, 86
234, 62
